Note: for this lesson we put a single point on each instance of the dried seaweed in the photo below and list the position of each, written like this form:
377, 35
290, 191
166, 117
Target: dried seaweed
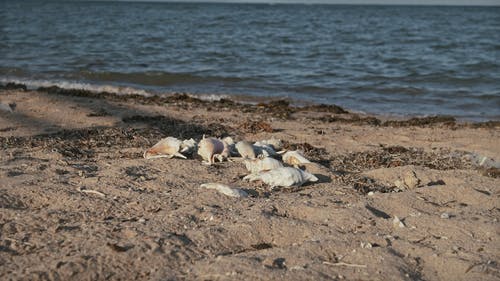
251, 126
13, 86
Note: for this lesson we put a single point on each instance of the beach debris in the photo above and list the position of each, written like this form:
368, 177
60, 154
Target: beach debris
396, 222
188, 146
411, 180
482, 160
366, 245
90, 191
276, 144
7, 107
231, 144
284, 177
264, 150
252, 126
211, 148
225, 189
400, 185
436, 182
378, 213
445, 216
120, 247
257, 165
228, 140
279, 263
316, 169
168, 147
345, 264
245, 149
295, 158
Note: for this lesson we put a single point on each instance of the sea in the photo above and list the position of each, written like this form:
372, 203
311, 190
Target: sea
399, 61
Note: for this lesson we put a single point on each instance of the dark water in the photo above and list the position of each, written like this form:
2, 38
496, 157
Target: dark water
398, 60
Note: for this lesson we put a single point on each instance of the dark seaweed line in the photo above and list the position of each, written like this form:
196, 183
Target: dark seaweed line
276, 108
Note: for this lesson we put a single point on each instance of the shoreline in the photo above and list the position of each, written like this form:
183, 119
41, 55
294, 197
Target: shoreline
282, 105
76, 193
153, 97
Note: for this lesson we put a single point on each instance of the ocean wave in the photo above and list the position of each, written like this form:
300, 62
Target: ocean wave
119, 90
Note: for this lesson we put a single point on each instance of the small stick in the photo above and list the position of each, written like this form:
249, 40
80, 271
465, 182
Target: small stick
90, 191
345, 264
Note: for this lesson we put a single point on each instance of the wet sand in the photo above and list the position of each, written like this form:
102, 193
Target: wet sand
78, 201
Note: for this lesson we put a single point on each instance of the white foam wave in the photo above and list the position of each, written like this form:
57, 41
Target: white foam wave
210, 97
119, 90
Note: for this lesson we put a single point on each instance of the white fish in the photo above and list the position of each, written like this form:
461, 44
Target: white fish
257, 165
225, 189
245, 149
263, 150
294, 158
226, 152
228, 140
168, 147
211, 148
276, 144
231, 145
188, 146
285, 177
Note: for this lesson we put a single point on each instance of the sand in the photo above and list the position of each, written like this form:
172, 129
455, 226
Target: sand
397, 199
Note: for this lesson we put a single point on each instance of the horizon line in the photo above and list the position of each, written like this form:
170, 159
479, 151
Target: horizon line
282, 2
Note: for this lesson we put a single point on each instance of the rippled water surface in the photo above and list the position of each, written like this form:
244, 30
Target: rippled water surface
398, 60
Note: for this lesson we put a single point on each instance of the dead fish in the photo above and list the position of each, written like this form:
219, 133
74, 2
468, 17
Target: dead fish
228, 140
225, 189
294, 158
245, 149
263, 150
168, 147
257, 165
7, 107
188, 146
285, 177
211, 148
276, 144
230, 143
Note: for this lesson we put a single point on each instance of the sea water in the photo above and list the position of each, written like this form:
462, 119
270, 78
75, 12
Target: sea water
393, 60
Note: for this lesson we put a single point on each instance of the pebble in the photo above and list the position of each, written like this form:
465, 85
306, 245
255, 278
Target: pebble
399, 184
396, 222
445, 216
411, 180
366, 245
297, 267
279, 263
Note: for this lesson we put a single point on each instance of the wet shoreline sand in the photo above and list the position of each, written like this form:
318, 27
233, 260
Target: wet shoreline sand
148, 219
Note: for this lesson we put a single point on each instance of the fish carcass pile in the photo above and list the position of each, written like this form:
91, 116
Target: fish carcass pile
261, 159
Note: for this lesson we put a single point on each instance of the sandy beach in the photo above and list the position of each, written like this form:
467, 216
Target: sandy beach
414, 199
